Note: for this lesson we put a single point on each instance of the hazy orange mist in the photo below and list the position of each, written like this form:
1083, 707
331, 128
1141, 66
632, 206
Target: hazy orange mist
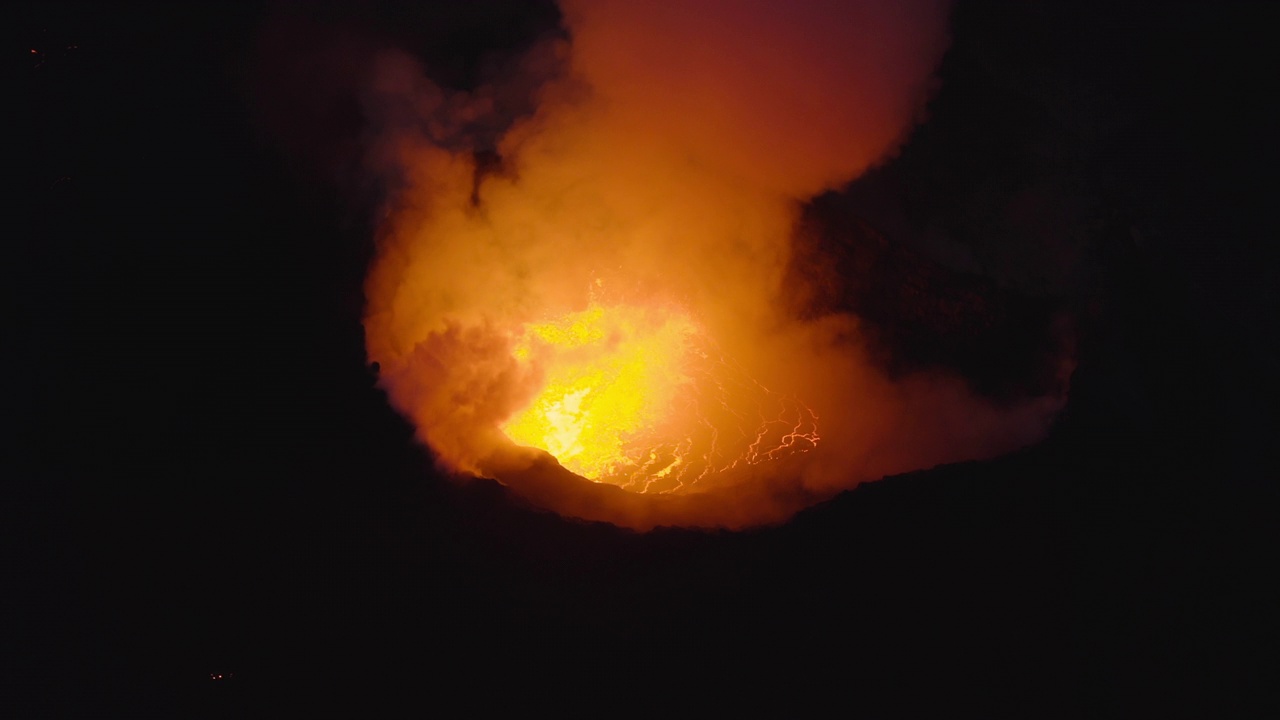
664, 168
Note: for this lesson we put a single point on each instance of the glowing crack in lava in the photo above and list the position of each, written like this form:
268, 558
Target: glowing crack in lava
639, 397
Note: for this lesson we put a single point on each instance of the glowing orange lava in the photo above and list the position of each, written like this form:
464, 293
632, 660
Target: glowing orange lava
611, 378
635, 397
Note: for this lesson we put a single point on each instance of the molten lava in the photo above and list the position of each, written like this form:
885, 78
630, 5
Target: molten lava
611, 378
636, 397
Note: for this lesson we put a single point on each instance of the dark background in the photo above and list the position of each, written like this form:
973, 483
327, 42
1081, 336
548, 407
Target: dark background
203, 479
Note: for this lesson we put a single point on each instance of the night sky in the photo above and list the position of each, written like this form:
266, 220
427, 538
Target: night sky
202, 478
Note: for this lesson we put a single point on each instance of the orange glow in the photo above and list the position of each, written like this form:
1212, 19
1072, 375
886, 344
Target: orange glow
600, 320
636, 397
612, 377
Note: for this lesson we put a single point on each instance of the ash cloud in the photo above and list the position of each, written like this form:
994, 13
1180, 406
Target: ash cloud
664, 150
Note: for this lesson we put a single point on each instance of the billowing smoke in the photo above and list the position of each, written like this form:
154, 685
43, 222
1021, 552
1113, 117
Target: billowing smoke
664, 165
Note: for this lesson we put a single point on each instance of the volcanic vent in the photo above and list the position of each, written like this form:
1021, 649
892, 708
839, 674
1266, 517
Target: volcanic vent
600, 320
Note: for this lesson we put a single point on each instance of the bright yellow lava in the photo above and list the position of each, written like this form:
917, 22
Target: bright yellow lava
612, 377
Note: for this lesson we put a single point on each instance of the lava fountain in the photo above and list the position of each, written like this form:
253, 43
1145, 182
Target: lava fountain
600, 319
